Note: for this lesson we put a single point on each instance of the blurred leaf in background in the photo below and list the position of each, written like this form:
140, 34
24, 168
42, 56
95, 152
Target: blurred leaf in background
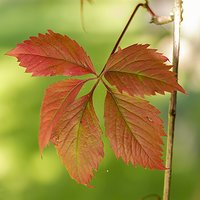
23, 174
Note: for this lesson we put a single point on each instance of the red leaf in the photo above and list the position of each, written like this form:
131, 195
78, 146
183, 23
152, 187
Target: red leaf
132, 124
52, 54
57, 97
134, 130
140, 71
77, 138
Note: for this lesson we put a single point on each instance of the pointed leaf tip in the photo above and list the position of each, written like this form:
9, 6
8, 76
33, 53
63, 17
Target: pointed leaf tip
134, 130
139, 70
77, 138
56, 98
52, 54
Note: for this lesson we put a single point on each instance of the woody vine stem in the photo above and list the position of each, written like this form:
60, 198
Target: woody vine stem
177, 17
173, 99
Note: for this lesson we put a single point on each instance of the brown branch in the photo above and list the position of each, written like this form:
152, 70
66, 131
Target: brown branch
173, 100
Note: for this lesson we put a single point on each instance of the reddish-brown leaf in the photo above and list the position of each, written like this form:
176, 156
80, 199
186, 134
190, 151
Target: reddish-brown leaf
52, 54
134, 130
77, 137
132, 124
56, 98
140, 71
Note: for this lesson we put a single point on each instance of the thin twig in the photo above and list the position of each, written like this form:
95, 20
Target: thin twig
155, 19
82, 15
122, 34
159, 20
126, 27
173, 99
144, 5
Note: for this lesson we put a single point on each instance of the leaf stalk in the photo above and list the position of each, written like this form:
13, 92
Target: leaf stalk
144, 5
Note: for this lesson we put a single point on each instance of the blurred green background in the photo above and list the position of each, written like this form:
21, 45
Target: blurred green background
23, 174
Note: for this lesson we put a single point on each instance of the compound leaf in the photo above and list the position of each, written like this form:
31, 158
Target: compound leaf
132, 125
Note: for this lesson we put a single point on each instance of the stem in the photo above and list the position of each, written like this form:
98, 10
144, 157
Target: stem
173, 100
95, 85
155, 19
144, 5
126, 27
82, 16
149, 9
